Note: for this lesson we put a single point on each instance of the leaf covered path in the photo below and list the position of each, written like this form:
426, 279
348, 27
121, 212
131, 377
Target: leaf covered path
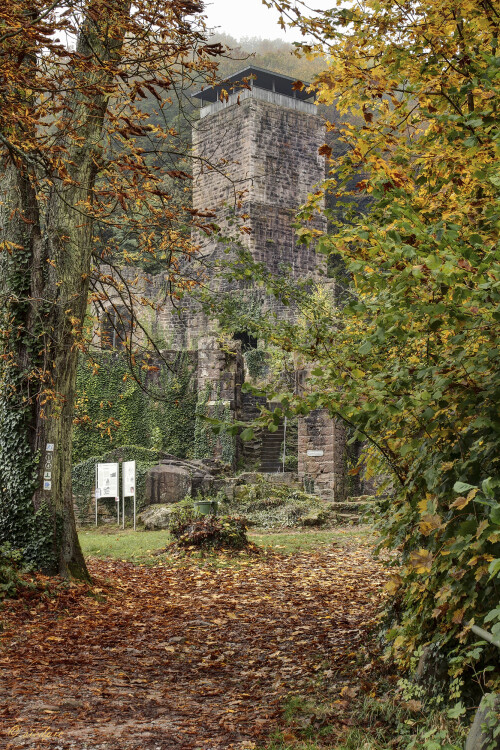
187, 658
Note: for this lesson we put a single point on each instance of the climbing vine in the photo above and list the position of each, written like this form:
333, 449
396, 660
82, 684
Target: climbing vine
27, 528
83, 478
211, 436
257, 361
112, 409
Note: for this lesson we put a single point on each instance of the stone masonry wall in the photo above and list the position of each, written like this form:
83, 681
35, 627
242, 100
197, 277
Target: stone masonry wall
266, 157
321, 454
260, 160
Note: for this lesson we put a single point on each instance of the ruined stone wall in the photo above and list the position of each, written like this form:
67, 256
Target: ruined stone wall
321, 454
222, 167
258, 160
265, 155
223, 371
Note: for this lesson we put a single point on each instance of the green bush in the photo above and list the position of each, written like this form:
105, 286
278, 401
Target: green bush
189, 529
271, 506
10, 571
257, 361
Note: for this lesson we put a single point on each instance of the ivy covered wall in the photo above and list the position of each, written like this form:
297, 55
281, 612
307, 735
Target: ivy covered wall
83, 479
210, 443
112, 409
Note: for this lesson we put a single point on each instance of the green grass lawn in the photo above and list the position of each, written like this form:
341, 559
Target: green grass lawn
122, 544
295, 541
139, 546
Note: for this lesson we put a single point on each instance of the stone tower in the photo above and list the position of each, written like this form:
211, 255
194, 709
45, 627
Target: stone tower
256, 159
256, 153
255, 150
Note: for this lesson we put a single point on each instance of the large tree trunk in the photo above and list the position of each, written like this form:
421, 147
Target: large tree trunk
45, 288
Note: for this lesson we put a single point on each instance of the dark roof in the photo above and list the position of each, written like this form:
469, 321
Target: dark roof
261, 78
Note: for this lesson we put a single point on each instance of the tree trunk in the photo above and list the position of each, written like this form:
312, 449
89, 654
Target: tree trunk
45, 288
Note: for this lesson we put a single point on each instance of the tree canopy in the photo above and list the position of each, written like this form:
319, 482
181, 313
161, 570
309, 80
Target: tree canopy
84, 168
410, 356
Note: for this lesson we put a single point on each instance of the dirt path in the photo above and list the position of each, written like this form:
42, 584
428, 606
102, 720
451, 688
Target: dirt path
185, 658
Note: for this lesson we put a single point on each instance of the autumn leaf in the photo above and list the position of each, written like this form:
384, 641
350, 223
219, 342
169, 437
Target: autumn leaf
421, 561
393, 584
430, 523
325, 150
184, 631
462, 501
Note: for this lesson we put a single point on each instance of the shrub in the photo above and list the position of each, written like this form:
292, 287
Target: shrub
189, 529
10, 571
257, 361
272, 506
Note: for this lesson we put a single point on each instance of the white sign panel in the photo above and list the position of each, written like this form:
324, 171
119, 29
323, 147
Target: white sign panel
107, 480
315, 453
128, 478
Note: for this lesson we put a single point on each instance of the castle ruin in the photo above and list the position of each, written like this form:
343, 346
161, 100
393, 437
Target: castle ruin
256, 154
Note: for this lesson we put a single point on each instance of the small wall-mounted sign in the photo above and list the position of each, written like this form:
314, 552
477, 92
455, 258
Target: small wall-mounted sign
50, 447
47, 484
47, 475
315, 453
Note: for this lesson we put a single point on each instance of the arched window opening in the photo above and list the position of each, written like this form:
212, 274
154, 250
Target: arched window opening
115, 328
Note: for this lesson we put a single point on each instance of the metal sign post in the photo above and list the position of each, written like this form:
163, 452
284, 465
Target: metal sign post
128, 484
96, 493
284, 445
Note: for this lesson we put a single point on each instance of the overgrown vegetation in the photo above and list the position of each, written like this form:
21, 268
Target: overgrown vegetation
410, 359
112, 409
271, 506
192, 530
11, 568
207, 441
376, 723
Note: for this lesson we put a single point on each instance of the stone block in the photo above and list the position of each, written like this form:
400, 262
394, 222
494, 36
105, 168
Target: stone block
167, 484
156, 517
315, 518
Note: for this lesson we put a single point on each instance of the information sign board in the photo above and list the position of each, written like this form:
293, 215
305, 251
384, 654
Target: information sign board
128, 478
107, 480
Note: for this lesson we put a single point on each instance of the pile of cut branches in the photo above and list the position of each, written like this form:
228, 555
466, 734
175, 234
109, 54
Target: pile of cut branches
189, 529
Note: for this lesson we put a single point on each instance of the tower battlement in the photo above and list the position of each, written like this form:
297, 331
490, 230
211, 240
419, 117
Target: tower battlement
255, 83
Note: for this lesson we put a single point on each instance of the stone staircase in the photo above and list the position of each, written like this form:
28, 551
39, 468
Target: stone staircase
250, 412
351, 510
265, 450
271, 451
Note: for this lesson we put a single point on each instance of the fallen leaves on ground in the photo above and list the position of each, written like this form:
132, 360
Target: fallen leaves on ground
194, 659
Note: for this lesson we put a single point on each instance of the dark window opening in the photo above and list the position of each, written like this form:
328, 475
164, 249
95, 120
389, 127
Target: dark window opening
247, 341
115, 328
